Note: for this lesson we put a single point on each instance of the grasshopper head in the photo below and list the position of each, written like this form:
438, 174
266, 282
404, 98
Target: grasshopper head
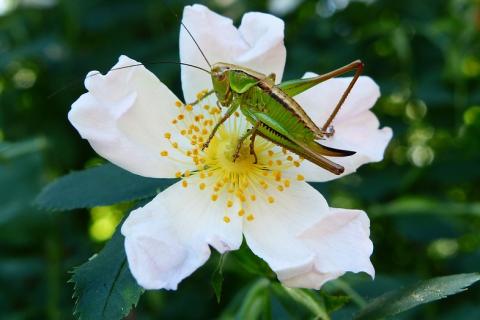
221, 83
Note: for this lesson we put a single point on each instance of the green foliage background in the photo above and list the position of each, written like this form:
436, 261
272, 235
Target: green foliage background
423, 200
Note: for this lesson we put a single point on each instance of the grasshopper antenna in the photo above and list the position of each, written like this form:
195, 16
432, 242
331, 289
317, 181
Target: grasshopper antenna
189, 33
70, 84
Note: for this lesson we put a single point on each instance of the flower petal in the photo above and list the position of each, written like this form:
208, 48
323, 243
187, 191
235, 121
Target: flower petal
169, 238
256, 44
340, 241
125, 115
273, 234
305, 242
356, 127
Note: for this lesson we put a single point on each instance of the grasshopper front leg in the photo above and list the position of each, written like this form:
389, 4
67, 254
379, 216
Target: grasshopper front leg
253, 133
203, 96
227, 115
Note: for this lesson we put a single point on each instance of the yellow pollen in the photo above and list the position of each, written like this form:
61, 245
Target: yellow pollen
271, 199
226, 219
253, 197
184, 184
180, 117
287, 183
206, 107
178, 174
300, 177
241, 212
178, 103
187, 173
265, 173
229, 203
183, 132
237, 114
270, 163
189, 107
296, 164
289, 158
278, 176
174, 121
270, 153
250, 217
279, 162
214, 197
164, 153
280, 188
202, 186
175, 145
202, 175
167, 135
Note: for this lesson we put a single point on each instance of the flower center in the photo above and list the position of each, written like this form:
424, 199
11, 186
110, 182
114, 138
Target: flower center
237, 183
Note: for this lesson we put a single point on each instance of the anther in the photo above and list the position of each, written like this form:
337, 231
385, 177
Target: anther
250, 217
300, 177
226, 219
164, 153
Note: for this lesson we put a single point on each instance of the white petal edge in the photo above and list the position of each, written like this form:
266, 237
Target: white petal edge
356, 127
341, 243
169, 238
124, 116
257, 44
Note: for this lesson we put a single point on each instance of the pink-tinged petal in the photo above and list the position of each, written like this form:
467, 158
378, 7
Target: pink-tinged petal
125, 115
356, 127
273, 234
169, 238
341, 243
307, 243
256, 44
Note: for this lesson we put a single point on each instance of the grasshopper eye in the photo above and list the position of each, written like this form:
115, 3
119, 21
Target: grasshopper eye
220, 76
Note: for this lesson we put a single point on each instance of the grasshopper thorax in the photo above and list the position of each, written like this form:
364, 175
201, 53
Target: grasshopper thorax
221, 83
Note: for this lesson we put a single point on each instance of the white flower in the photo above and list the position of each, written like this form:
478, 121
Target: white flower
132, 119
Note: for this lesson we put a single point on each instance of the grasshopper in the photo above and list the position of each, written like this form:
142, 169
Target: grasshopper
273, 112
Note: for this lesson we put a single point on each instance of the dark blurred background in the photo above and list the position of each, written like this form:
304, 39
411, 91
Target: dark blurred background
423, 200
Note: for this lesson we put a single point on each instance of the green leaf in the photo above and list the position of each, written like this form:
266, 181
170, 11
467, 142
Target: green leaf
99, 186
254, 302
217, 277
308, 300
401, 300
104, 286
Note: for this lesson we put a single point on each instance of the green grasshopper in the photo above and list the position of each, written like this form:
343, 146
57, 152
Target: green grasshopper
273, 112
